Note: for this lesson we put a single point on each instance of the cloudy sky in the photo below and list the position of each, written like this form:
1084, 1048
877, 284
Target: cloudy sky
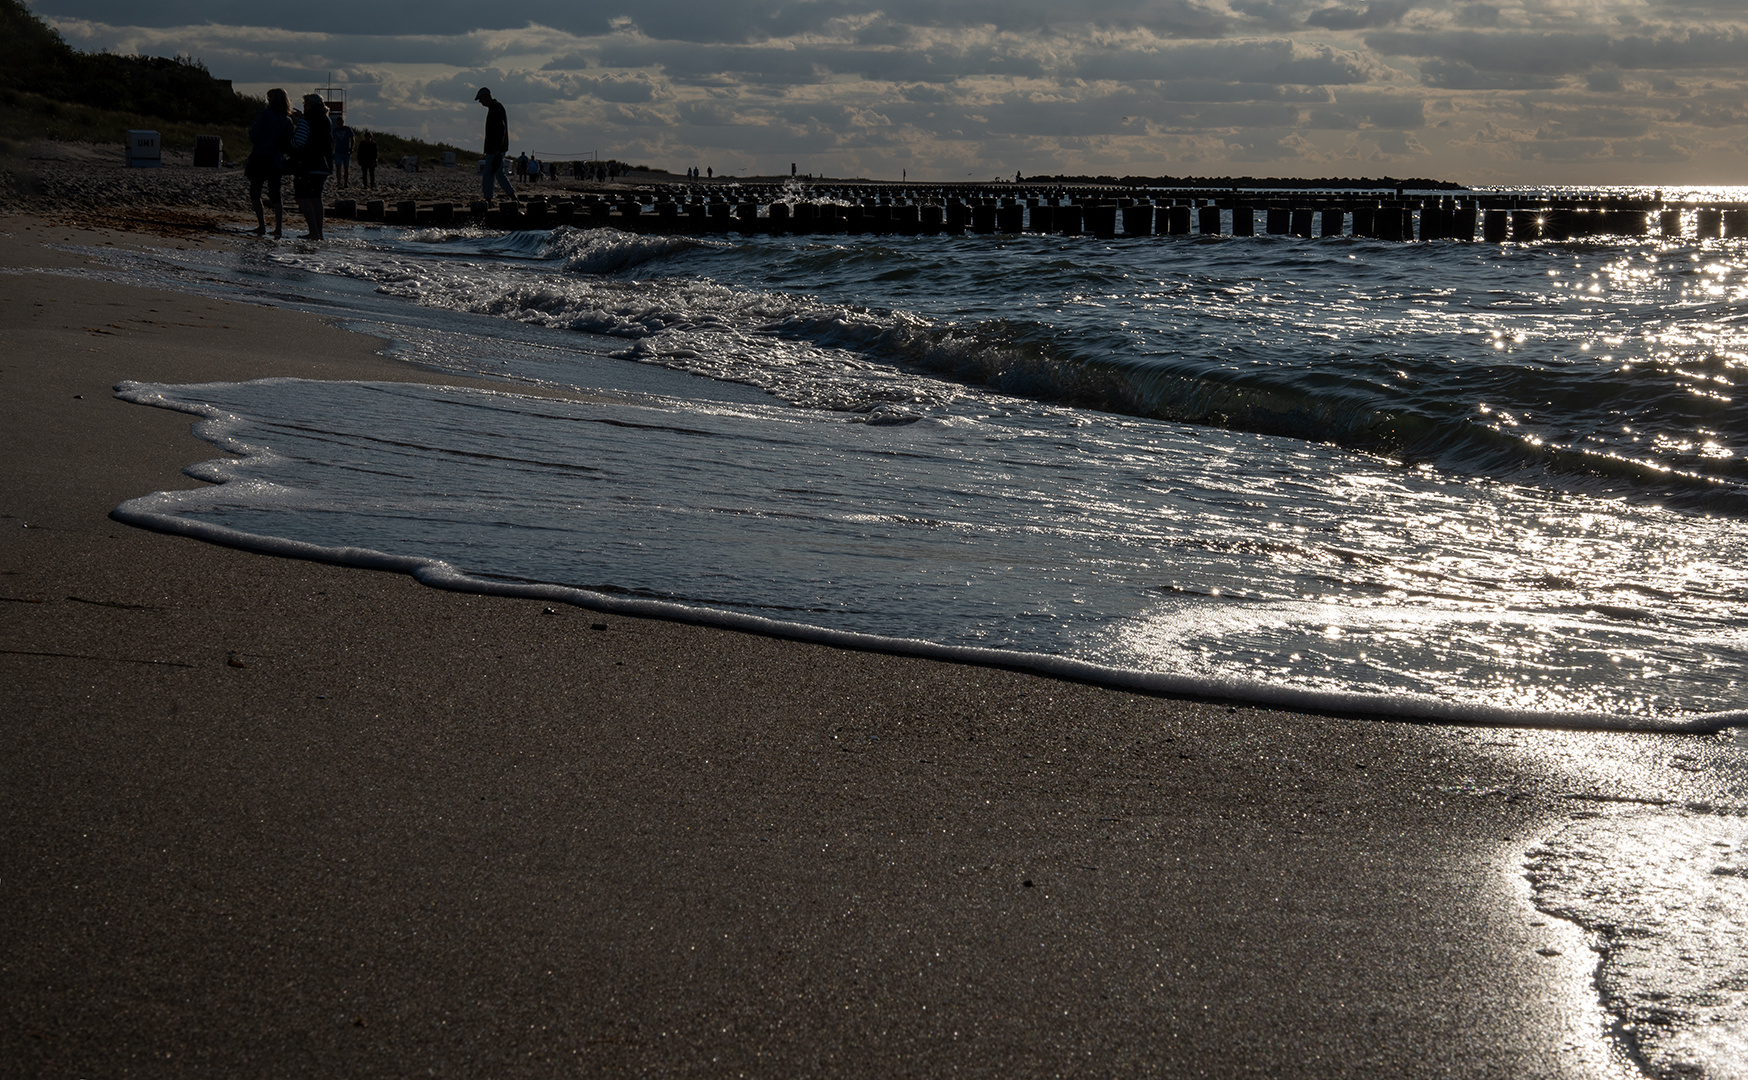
1514, 91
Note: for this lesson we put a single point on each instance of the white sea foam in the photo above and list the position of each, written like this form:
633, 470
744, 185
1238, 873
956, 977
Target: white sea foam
604, 251
165, 513
899, 539
1664, 893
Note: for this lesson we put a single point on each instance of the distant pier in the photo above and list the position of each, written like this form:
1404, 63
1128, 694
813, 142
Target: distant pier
703, 209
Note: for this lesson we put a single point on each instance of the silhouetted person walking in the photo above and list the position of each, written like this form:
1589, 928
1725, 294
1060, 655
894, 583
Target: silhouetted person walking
497, 145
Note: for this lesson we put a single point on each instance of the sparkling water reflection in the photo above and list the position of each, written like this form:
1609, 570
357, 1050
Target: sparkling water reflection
1247, 558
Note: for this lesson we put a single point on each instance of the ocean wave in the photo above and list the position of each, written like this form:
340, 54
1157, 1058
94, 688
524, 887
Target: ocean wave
1474, 375
607, 251
819, 355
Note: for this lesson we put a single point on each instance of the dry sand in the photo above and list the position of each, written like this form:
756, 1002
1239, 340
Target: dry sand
264, 816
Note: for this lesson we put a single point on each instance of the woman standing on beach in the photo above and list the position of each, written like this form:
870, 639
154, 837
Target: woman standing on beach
269, 137
312, 144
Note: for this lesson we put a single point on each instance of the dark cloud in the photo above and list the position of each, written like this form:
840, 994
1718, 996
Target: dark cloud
1363, 111
1700, 11
1479, 16
1568, 53
1186, 117
925, 94
1515, 53
1261, 149
1595, 124
1273, 14
1728, 111
1453, 75
786, 66
1191, 91
1397, 143
520, 88
1365, 17
710, 113
1690, 50
1658, 148
625, 89
1057, 119
1265, 62
1573, 150
692, 62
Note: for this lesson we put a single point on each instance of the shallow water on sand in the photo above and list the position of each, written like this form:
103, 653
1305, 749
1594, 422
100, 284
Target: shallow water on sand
1663, 893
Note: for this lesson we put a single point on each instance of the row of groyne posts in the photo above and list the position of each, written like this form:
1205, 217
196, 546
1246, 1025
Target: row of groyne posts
1102, 212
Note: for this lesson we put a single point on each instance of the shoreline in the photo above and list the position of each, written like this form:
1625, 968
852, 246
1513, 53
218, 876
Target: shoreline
145, 513
266, 810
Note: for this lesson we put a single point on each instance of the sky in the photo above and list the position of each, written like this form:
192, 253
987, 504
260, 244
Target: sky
1585, 92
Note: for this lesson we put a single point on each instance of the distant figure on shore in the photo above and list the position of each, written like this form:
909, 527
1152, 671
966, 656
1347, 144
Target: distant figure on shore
343, 152
534, 170
269, 139
497, 145
312, 149
367, 161
522, 165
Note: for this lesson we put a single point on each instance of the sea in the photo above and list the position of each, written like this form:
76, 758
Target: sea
1457, 482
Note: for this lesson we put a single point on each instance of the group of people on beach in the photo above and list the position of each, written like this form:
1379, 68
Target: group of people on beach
307, 145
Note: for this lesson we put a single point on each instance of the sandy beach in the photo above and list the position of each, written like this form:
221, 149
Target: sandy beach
91, 180
267, 816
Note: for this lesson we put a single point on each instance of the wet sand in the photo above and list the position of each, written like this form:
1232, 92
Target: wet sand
272, 816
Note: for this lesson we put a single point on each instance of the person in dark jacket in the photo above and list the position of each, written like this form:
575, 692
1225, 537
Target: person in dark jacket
367, 161
312, 150
269, 139
497, 145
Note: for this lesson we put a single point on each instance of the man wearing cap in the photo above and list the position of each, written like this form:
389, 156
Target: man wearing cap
497, 145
